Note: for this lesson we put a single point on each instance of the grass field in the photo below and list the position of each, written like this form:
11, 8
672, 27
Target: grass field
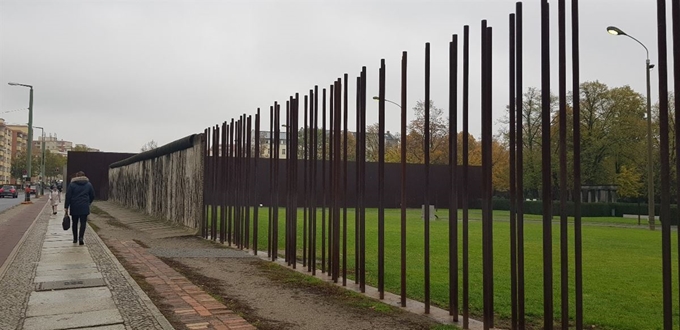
621, 265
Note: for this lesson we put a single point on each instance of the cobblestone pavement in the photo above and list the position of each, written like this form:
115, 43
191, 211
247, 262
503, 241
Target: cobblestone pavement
194, 307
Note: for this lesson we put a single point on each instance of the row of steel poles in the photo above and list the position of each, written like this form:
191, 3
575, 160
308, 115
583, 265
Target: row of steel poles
231, 175
518, 315
230, 169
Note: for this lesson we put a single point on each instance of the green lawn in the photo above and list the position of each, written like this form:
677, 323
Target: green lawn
621, 266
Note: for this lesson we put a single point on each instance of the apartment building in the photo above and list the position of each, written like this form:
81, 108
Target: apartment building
53, 144
6, 135
265, 143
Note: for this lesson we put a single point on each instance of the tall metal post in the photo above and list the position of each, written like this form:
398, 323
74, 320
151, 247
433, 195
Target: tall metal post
650, 170
29, 144
650, 173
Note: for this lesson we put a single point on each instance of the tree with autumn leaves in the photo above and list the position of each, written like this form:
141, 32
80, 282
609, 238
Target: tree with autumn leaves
612, 140
613, 144
439, 146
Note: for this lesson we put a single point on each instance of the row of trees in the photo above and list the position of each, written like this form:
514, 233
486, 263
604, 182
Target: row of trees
613, 140
54, 164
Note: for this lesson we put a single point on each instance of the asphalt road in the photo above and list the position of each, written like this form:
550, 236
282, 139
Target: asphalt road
7, 202
13, 224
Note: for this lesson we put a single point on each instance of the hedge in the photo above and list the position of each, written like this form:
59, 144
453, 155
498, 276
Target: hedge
587, 209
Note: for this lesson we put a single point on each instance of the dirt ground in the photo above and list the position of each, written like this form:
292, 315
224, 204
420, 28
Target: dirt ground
267, 295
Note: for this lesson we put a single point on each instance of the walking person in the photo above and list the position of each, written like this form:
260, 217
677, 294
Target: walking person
55, 198
79, 196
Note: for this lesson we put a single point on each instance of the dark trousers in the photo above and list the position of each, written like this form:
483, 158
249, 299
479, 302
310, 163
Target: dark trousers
78, 235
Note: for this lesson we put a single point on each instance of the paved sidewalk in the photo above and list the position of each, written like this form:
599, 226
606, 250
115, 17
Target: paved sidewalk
54, 284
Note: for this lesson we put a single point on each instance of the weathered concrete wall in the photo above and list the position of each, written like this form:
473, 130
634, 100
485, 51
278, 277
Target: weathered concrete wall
166, 183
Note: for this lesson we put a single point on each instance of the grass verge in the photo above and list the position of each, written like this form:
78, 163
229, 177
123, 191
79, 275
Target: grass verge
616, 254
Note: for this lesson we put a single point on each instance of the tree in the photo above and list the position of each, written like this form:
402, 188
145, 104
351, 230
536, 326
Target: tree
439, 136
612, 134
500, 165
80, 147
54, 164
612, 131
673, 156
149, 146
531, 138
629, 183
19, 165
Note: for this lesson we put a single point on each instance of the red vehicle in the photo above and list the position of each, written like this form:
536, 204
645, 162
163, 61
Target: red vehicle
8, 191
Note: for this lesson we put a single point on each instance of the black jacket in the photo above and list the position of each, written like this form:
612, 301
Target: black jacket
79, 196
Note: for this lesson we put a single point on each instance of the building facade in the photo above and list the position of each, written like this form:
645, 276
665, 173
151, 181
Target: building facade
6, 135
54, 145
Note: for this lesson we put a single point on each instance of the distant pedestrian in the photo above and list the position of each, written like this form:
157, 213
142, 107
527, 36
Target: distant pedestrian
55, 198
79, 196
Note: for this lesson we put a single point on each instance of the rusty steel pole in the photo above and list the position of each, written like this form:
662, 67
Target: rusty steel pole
564, 235
344, 177
520, 166
578, 243
404, 65
381, 180
664, 215
256, 199
513, 179
466, 146
546, 168
453, 177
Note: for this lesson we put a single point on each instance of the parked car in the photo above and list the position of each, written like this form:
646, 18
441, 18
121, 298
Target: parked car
8, 191
33, 189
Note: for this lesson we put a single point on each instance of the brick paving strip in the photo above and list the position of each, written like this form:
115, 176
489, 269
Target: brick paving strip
193, 307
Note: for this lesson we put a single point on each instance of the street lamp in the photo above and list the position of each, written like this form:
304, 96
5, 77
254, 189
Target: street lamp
30, 138
386, 100
650, 174
42, 161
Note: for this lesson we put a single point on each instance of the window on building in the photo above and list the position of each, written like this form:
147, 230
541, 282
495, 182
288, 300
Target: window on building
283, 151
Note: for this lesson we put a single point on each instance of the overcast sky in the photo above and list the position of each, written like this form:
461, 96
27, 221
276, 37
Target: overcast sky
117, 74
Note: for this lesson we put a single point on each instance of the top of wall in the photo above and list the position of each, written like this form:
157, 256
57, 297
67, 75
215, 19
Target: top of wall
178, 145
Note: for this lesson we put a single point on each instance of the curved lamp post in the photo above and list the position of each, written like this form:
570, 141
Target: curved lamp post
30, 136
386, 100
650, 174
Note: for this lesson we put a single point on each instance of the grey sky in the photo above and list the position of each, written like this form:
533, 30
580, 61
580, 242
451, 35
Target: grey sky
117, 74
